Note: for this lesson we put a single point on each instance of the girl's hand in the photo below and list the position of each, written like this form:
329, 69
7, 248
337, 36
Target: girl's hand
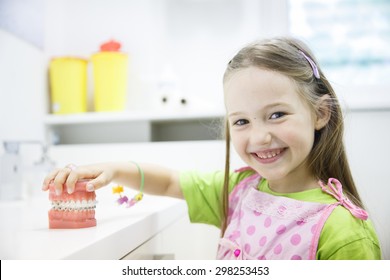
99, 175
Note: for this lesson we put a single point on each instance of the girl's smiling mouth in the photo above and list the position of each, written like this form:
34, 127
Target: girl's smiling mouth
269, 156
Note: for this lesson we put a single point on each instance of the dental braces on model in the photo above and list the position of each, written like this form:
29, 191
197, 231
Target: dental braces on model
72, 211
72, 205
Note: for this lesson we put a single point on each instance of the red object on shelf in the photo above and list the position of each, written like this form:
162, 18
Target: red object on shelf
110, 46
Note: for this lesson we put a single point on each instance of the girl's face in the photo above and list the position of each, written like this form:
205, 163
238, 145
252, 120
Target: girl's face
271, 127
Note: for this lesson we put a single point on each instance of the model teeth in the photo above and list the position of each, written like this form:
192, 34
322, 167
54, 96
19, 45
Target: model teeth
71, 205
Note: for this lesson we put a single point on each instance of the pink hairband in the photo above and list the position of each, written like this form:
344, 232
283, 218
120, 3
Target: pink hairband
312, 64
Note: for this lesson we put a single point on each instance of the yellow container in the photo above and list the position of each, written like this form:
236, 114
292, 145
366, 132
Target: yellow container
68, 85
110, 70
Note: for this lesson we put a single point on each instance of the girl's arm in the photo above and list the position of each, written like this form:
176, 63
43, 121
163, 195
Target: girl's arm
158, 180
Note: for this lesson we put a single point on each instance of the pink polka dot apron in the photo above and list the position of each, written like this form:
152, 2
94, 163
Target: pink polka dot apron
263, 226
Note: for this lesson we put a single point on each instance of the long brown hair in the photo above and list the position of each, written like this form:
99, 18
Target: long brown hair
327, 158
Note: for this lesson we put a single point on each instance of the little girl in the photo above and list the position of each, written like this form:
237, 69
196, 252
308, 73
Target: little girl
297, 198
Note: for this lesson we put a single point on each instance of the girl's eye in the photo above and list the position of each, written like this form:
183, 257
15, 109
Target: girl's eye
277, 115
241, 122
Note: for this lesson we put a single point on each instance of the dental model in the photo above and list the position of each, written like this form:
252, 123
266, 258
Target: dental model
76, 210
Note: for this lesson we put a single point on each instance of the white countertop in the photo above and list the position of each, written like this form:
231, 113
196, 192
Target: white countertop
24, 232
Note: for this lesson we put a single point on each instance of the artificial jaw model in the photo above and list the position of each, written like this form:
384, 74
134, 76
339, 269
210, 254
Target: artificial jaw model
71, 211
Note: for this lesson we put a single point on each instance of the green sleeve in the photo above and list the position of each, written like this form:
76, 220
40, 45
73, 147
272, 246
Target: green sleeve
345, 237
203, 194
363, 249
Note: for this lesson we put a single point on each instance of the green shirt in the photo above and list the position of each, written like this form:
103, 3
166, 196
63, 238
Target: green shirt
343, 236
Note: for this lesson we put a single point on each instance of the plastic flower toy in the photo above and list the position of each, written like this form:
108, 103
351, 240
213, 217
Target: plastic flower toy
123, 199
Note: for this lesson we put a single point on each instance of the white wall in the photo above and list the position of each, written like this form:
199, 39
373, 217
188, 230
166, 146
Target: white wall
367, 141
22, 89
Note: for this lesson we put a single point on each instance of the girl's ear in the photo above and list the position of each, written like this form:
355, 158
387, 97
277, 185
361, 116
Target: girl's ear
323, 111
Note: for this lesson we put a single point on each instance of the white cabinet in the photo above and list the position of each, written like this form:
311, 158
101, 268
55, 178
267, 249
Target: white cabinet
149, 251
124, 127
181, 240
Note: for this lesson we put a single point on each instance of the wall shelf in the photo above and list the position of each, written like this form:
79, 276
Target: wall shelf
124, 127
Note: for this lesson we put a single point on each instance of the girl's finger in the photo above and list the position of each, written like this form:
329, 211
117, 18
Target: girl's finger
61, 178
73, 177
97, 183
50, 177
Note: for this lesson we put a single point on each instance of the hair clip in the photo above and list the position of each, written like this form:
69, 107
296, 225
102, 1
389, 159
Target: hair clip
123, 199
312, 64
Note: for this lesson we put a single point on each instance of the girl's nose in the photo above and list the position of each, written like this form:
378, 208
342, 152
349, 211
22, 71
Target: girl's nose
260, 136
